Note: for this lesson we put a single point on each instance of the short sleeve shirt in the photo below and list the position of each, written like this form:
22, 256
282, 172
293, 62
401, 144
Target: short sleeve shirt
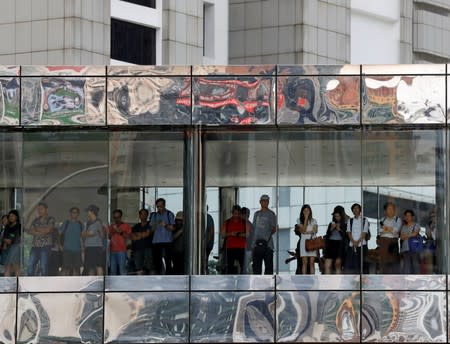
118, 241
96, 240
162, 234
356, 226
263, 223
71, 230
43, 240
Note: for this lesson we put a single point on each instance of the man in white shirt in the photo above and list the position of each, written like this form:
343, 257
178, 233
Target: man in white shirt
357, 229
390, 226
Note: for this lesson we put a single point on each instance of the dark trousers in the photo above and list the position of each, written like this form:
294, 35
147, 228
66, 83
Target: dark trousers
178, 262
162, 251
353, 261
260, 255
235, 254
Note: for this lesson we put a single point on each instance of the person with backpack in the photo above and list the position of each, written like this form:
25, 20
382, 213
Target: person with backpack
70, 239
390, 226
94, 236
357, 231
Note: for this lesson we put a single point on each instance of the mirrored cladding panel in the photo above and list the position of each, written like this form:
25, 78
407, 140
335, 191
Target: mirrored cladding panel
187, 204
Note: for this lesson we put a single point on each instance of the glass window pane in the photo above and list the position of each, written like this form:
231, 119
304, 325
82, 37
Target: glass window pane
146, 167
323, 171
65, 181
404, 197
243, 168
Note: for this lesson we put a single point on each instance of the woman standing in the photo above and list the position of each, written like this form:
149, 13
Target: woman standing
308, 228
335, 245
409, 230
11, 244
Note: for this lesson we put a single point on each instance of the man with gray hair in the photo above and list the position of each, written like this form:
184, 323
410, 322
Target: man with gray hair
264, 226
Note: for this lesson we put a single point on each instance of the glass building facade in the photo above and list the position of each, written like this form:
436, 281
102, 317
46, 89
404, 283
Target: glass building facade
209, 137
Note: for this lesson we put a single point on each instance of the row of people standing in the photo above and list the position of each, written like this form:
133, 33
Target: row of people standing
399, 242
247, 246
155, 242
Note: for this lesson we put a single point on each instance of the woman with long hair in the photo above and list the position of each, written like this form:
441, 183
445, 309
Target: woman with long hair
308, 228
335, 245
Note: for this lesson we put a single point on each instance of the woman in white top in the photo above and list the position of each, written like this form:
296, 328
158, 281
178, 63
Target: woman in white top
307, 227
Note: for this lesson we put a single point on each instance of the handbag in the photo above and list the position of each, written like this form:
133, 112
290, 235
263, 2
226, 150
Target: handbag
315, 243
415, 243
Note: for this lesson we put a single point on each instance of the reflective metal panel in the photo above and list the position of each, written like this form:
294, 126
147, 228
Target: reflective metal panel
8, 284
404, 316
234, 70
9, 101
61, 284
147, 283
403, 282
149, 100
149, 70
63, 101
232, 282
403, 99
7, 318
318, 70
329, 316
62, 70
60, 318
404, 69
218, 317
146, 317
9, 70
321, 99
233, 100
318, 282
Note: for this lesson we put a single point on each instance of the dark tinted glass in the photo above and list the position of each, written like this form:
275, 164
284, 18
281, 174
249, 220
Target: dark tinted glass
133, 43
146, 3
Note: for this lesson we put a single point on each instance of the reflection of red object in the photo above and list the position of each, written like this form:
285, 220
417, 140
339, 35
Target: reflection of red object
74, 68
243, 97
301, 102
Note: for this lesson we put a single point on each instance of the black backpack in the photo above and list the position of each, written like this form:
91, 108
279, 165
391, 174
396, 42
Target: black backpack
368, 234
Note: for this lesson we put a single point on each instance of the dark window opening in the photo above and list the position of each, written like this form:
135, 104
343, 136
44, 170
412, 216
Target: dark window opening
133, 43
146, 3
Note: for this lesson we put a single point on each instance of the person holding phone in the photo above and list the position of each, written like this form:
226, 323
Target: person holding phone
307, 228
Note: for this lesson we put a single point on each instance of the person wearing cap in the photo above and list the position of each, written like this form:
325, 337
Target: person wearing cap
178, 245
264, 226
118, 233
41, 229
163, 225
11, 244
94, 243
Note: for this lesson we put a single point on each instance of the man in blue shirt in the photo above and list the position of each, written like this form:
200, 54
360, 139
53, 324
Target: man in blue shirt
163, 224
70, 233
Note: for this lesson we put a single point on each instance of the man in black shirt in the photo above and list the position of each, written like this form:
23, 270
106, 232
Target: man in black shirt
141, 237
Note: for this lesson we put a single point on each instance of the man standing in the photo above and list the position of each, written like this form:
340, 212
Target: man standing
41, 230
70, 232
264, 226
163, 224
141, 244
357, 229
209, 239
119, 232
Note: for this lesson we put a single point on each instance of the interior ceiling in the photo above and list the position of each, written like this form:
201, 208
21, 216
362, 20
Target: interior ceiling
316, 159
